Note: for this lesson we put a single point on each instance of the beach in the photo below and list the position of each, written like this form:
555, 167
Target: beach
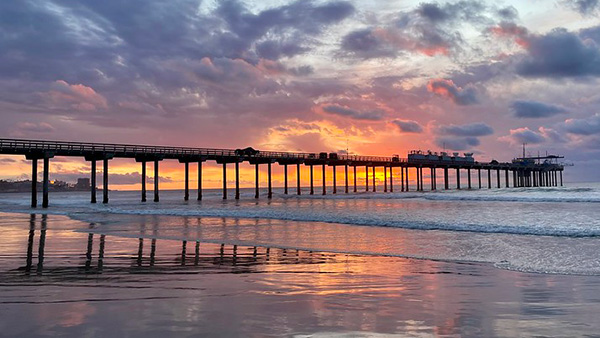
261, 270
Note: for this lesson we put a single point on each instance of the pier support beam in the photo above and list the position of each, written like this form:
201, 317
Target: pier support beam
489, 178
446, 183
186, 193
374, 181
256, 181
479, 177
354, 178
312, 190
45, 182
366, 178
418, 174
285, 179
324, 180
93, 182
34, 163
156, 179
506, 177
469, 177
457, 178
401, 178
391, 179
298, 187
384, 179
334, 180
270, 181
237, 180
406, 178
346, 178
199, 198
224, 180
498, 178
514, 178
143, 181
561, 178
105, 181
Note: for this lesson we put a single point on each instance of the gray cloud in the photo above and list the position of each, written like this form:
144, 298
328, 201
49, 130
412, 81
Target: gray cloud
534, 109
408, 126
584, 6
354, 114
559, 54
524, 135
471, 130
429, 29
587, 126
447, 88
457, 143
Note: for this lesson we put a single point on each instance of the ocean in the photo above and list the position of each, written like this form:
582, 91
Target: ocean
310, 265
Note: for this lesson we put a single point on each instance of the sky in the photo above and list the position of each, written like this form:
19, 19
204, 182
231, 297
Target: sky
363, 77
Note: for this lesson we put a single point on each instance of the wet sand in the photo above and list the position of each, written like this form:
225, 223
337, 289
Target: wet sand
57, 281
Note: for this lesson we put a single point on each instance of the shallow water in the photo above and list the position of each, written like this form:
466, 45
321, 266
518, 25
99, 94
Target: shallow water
545, 230
65, 277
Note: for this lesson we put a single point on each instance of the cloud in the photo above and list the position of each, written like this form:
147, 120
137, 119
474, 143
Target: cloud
534, 109
523, 135
457, 143
41, 127
560, 54
430, 29
473, 129
447, 89
353, 114
584, 6
587, 126
76, 96
507, 29
408, 126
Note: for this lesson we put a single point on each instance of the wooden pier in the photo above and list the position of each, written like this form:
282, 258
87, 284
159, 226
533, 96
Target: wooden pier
524, 174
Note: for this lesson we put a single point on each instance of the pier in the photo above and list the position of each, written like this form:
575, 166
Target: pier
522, 172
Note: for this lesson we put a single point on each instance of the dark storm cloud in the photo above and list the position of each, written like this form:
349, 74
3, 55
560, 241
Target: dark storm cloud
457, 143
353, 114
560, 54
534, 109
408, 126
471, 130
